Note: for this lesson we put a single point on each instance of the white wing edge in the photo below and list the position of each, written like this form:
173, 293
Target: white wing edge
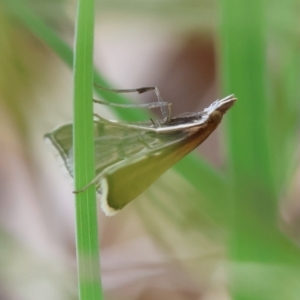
61, 162
108, 211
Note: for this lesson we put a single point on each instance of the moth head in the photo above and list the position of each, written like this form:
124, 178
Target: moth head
218, 108
215, 117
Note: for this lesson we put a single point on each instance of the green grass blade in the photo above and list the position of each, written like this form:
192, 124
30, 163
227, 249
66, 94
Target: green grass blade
256, 238
286, 94
87, 244
244, 74
86, 208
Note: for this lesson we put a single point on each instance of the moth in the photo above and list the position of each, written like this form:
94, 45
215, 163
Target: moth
130, 156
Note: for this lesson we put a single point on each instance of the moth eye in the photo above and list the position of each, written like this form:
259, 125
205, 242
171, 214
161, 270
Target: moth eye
216, 116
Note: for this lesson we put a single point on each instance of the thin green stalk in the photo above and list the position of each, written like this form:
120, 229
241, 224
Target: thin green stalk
286, 94
87, 244
86, 207
244, 74
256, 239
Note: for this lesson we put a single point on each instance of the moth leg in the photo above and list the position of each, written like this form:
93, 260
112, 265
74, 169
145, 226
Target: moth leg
164, 106
142, 105
137, 90
165, 110
155, 123
94, 181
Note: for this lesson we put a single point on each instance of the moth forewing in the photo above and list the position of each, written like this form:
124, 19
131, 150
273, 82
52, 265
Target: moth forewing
131, 156
128, 179
60, 140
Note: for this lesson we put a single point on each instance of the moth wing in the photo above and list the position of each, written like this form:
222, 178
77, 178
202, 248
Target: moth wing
123, 181
60, 140
126, 161
116, 146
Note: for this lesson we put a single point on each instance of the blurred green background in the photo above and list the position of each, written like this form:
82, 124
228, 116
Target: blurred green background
224, 222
